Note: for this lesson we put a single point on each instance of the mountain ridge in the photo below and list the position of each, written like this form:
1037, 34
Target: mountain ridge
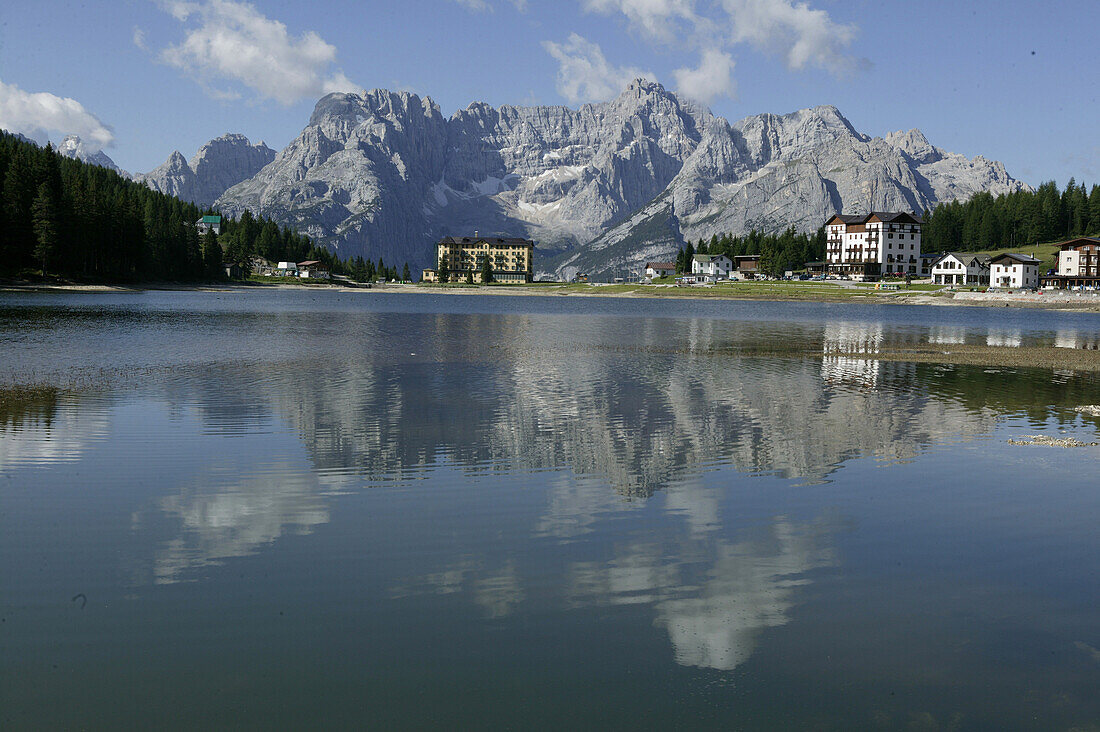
218, 165
600, 187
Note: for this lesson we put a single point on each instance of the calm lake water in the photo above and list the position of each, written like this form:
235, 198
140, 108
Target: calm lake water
300, 509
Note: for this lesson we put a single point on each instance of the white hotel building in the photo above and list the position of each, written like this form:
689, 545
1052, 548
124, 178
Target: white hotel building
869, 246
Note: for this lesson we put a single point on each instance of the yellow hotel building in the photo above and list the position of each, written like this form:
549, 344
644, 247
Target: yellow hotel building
512, 259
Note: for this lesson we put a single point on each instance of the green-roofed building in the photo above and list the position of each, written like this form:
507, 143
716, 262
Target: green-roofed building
209, 223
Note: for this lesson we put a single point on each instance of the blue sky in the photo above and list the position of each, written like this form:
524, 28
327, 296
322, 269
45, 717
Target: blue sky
1013, 81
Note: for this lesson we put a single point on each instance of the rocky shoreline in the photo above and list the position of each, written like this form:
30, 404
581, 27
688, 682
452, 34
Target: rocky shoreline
781, 292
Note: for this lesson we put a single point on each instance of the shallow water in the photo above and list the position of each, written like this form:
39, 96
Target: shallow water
286, 509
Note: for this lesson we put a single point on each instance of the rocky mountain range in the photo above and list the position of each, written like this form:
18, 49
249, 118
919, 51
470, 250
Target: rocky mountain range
73, 147
600, 188
218, 165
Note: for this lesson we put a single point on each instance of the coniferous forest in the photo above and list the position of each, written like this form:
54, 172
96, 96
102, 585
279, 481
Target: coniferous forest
1014, 220
778, 252
83, 222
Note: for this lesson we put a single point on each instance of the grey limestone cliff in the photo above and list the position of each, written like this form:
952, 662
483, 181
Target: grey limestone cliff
601, 187
73, 147
218, 165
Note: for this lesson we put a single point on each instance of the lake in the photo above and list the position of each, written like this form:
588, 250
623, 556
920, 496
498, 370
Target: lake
273, 509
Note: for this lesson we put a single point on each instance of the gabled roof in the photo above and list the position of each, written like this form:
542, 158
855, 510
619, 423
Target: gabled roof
893, 217
211, 219
1074, 243
884, 216
1021, 258
967, 259
845, 219
660, 265
309, 263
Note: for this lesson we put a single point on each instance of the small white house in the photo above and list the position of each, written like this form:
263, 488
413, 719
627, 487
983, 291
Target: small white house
1014, 270
659, 269
959, 268
716, 266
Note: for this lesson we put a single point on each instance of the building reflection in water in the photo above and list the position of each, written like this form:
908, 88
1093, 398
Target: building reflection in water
947, 335
845, 348
1005, 337
1076, 339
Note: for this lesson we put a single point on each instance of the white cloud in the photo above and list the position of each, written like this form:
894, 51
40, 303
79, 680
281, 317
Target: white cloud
806, 37
584, 74
37, 114
477, 6
483, 6
653, 17
712, 78
232, 41
803, 36
139, 39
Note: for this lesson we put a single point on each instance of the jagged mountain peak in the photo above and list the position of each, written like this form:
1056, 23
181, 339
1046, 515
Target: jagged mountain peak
914, 144
380, 102
215, 167
176, 160
382, 173
72, 146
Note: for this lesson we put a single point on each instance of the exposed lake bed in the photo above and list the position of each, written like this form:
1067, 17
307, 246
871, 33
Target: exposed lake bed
273, 508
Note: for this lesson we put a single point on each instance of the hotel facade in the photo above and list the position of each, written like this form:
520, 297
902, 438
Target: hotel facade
511, 259
868, 246
1078, 264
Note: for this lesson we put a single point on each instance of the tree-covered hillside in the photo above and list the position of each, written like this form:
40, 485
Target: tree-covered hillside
60, 216
1010, 221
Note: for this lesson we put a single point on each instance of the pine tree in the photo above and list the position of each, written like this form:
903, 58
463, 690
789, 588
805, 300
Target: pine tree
443, 271
44, 216
1094, 210
486, 270
193, 252
212, 255
405, 274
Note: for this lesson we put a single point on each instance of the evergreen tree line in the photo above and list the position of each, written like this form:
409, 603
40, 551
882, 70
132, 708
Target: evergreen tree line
68, 218
1013, 220
364, 270
778, 252
64, 217
251, 236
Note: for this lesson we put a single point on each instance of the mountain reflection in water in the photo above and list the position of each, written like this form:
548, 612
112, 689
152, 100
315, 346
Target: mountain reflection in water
510, 463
